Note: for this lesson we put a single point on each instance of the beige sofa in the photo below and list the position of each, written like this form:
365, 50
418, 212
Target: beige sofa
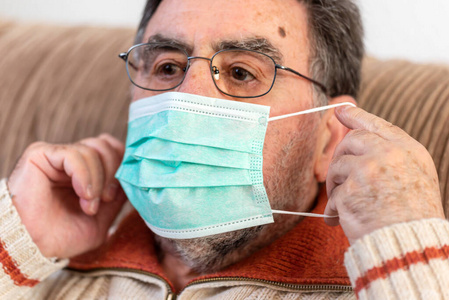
60, 84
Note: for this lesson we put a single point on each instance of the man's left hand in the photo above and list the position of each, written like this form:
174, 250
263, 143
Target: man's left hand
379, 176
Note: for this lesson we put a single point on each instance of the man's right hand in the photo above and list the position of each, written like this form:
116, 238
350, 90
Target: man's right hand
66, 195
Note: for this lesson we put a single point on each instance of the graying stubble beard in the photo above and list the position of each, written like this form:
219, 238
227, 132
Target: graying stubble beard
212, 253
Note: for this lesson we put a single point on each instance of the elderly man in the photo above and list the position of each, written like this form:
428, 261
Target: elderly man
216, 163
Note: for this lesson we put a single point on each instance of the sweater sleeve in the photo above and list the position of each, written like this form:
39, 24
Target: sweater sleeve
402, 261
23, 266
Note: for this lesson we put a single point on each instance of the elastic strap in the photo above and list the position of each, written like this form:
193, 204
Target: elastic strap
305, 214
312, 110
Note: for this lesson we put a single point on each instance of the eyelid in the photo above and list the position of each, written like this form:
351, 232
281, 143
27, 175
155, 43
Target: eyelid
253, 70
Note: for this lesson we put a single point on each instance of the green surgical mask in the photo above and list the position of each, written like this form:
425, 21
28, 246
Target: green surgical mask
193, 164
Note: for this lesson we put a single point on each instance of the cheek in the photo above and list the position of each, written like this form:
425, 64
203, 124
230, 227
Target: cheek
272, 148
289, 144
138, 93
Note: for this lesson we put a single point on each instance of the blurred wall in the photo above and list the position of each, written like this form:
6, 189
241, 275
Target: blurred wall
411, 29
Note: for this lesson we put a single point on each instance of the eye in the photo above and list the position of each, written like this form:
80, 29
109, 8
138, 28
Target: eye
241, 74
169, 69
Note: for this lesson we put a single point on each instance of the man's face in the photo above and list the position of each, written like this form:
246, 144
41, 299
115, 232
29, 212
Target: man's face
289, 149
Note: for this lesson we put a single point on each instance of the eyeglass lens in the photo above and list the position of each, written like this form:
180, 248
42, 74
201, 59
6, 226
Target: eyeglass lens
242, 73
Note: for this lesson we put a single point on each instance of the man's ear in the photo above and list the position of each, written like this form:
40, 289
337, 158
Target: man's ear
331, 133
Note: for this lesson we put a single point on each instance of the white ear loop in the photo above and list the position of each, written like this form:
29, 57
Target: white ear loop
312, 110
305, 214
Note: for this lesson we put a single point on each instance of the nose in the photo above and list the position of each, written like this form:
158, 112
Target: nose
198, 79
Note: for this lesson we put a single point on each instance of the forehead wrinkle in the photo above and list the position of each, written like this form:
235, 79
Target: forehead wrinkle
159, 38
253, 43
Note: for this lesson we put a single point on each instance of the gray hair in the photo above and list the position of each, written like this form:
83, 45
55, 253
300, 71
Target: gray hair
336, 35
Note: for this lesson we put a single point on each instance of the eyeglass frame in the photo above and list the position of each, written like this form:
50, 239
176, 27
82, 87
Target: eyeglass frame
125, 55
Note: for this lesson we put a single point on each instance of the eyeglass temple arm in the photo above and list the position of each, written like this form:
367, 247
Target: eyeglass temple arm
124, 56
322, 87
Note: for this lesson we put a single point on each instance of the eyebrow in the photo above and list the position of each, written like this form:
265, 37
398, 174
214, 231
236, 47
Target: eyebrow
158, 38
252, 43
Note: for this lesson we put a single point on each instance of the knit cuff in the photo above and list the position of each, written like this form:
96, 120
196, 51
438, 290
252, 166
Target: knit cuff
22, 262
403, 261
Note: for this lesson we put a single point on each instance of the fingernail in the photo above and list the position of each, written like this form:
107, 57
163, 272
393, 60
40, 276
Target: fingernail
111, 191
93, 205
90, 191
341, 109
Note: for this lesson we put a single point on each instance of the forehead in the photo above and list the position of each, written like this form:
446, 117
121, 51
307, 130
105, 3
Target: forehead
204, 23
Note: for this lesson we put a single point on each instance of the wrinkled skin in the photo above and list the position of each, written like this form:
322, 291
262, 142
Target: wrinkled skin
379, 176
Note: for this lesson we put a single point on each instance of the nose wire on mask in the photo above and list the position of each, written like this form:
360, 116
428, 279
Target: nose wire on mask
198, 80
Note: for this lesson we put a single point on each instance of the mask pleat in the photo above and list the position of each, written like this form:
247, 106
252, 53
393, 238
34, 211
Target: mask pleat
159, 174
186, 128
157, 149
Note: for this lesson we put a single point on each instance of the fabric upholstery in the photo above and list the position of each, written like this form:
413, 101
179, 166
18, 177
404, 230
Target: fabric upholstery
60, 84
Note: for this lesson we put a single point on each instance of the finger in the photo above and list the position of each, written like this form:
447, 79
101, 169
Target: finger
331, 210
357, 118
339, 170
358, 142
96, 169
90, 207
68, 160
95, 165
110, 159
115, 143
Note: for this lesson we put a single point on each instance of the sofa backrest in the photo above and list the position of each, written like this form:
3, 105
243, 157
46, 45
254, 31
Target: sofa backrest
60, 84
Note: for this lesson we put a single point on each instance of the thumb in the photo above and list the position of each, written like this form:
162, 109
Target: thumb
331, 210
357, 118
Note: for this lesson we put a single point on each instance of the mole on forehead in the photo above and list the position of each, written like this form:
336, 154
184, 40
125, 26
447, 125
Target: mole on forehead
282, 32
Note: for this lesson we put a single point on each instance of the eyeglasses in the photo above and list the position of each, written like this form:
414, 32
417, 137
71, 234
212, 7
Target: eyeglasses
239, 73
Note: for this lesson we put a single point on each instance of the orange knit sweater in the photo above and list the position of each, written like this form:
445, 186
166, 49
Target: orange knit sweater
403, 261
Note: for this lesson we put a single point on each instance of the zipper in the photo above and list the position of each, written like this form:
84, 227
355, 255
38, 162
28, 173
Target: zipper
172, 296
290, 286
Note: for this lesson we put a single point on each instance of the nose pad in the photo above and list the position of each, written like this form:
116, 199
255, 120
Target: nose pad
216, 73
198, 81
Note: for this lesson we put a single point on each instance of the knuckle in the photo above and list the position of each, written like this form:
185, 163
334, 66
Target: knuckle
335, 162
356, 134
33, 148
376, 124
395, 129
349, 188
87, 140
70, 152
86, 150
368, 168
97, 143
91, 142
38, 144
106, 136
